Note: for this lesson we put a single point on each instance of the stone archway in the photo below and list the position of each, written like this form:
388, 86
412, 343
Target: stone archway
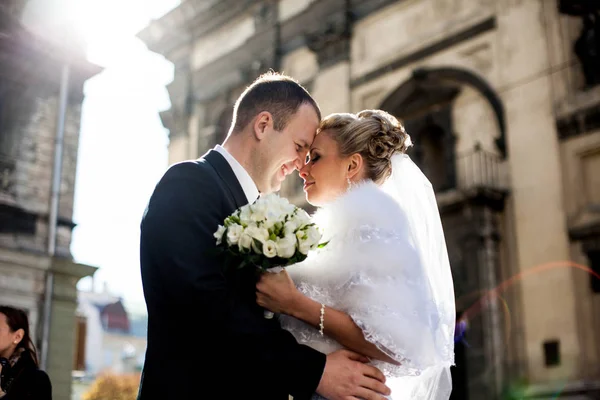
428, 86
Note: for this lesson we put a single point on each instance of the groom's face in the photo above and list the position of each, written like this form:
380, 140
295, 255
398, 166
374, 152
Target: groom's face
286, 151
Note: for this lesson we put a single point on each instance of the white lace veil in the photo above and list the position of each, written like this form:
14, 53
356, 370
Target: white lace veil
413, 192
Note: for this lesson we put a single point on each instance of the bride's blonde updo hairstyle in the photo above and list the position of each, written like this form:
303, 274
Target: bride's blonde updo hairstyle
374, 134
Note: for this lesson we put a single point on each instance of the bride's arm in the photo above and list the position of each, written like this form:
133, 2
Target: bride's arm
338, 325
278, 293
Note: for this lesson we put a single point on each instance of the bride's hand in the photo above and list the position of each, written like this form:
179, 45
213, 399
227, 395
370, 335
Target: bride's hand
276, 292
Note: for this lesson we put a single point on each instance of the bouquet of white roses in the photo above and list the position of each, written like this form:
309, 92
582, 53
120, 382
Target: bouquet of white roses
271, 233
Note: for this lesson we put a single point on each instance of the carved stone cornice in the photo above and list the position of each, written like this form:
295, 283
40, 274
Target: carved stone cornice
266, 13
586, 229
578, 114
22, 52
173, 35
175, 120
362, 8
331, 41
14, 7
297, 30
189, 21
578, 7
238, 67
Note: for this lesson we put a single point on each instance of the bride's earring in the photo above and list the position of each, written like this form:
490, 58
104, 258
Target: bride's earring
349, 183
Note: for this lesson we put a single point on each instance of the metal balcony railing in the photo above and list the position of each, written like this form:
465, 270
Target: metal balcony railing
480, 169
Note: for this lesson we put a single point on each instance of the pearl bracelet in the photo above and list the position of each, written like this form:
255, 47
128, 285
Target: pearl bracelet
322, 318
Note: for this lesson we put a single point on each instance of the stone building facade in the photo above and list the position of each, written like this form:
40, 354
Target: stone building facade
30, 77
501, 98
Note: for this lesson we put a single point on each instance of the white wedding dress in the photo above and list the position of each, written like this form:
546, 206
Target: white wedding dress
373, 269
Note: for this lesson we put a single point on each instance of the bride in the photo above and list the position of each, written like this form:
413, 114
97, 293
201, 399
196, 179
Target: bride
382, 286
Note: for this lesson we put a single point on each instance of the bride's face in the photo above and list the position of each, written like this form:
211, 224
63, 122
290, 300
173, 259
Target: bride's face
325, 173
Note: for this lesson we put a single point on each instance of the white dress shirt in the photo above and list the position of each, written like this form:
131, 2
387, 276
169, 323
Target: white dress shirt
248, 185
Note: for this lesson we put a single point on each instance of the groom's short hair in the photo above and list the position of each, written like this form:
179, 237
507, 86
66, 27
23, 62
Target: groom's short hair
276, 93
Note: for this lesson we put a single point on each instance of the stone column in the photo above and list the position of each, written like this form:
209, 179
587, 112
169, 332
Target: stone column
331, 43
62, 324
492, 314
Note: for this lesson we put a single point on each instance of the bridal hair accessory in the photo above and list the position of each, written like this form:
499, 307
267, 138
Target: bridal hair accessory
267, 235
322, 319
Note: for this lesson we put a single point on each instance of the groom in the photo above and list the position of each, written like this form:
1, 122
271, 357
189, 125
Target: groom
207, 337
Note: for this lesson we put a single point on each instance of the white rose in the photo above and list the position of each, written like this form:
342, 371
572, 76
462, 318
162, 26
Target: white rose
275, 213
271, 199
286, 247
233, 234
290, 227
289, 208
269, 221
258, 212
245, 215
270, 249
304, 246
219, 234
245, 242
302, 218
255, 232
313, 235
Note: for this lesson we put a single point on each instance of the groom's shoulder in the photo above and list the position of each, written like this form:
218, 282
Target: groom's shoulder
198, 169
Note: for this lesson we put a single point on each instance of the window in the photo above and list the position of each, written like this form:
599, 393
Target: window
80, 340
552, 353
433, 148
433, 155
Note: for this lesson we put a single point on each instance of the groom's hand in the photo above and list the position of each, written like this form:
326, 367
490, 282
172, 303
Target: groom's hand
346, 376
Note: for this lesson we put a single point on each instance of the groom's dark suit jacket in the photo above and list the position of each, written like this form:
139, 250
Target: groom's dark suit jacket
207, 338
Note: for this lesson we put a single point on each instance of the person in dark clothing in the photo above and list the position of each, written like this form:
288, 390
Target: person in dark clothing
20, 376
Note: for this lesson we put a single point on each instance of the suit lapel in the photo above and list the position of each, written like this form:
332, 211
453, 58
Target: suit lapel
223, 169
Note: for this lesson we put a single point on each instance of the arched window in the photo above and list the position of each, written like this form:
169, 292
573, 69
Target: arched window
433, 149
433, 154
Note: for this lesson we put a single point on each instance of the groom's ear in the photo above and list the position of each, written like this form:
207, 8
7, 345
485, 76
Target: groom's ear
262, 124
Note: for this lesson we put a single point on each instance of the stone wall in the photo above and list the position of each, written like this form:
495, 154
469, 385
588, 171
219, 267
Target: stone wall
32, 176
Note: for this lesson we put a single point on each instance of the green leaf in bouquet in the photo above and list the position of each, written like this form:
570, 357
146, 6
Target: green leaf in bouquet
265, 264
254, 259
257, 243
321, 245
278, 228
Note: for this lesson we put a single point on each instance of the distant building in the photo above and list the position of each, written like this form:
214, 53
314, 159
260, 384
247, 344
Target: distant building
502, 100
30, 82
108, 338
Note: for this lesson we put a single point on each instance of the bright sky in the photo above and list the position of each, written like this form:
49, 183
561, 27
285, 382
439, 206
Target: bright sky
123, 145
